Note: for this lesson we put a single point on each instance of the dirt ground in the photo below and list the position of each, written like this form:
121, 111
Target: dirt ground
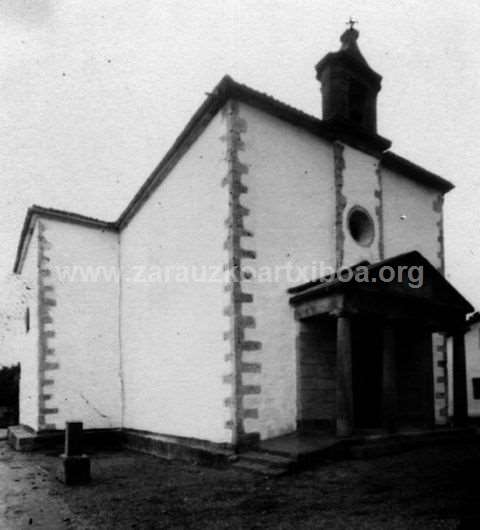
426, 488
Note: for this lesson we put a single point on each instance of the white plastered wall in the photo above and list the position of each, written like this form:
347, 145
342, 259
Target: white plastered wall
84, 339
472, 352
291, 199
410, 221
29, 352
173, 324
360, 184
412, 213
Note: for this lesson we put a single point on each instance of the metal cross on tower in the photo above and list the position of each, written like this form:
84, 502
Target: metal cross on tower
352, 23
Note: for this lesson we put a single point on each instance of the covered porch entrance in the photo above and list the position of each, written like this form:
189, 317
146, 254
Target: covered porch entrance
364, 349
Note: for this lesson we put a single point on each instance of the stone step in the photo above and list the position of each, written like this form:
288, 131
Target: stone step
267, 458
309, 449
259, 468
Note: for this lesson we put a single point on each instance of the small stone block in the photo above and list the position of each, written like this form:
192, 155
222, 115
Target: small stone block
74, 470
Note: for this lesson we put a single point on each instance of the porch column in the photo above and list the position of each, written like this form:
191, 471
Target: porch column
389, 378
460, 403
344, 392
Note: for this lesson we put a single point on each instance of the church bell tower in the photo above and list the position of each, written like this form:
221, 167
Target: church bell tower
349, 86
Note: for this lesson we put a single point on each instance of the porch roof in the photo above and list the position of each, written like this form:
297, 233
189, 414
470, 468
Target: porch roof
404, 286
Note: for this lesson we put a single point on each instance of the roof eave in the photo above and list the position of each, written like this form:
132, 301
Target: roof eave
390, 160
204, 114
36, 211
374, 145
323, 288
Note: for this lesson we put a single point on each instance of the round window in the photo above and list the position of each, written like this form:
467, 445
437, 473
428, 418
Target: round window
361, 226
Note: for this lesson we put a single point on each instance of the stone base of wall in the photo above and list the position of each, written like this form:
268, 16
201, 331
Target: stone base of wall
298, 456
22, 438
177, 448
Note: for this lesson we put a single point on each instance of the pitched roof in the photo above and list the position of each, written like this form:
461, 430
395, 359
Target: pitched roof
227, 89
444, 292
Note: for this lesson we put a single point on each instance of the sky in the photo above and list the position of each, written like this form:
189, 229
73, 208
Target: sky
94, 92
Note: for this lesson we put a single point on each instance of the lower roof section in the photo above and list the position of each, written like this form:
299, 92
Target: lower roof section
59, 215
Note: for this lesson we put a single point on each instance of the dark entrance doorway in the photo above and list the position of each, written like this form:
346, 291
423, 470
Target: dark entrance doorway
316, 383
367, 373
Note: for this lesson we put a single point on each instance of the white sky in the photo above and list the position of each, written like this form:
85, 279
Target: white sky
93, 92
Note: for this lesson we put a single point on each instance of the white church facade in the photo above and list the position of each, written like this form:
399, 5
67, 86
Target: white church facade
176, 333
472, 353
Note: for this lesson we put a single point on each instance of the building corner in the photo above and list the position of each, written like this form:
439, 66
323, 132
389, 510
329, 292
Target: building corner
243, 354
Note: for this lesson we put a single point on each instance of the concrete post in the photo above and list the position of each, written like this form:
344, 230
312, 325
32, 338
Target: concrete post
73, 438
74, 466
344, 391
